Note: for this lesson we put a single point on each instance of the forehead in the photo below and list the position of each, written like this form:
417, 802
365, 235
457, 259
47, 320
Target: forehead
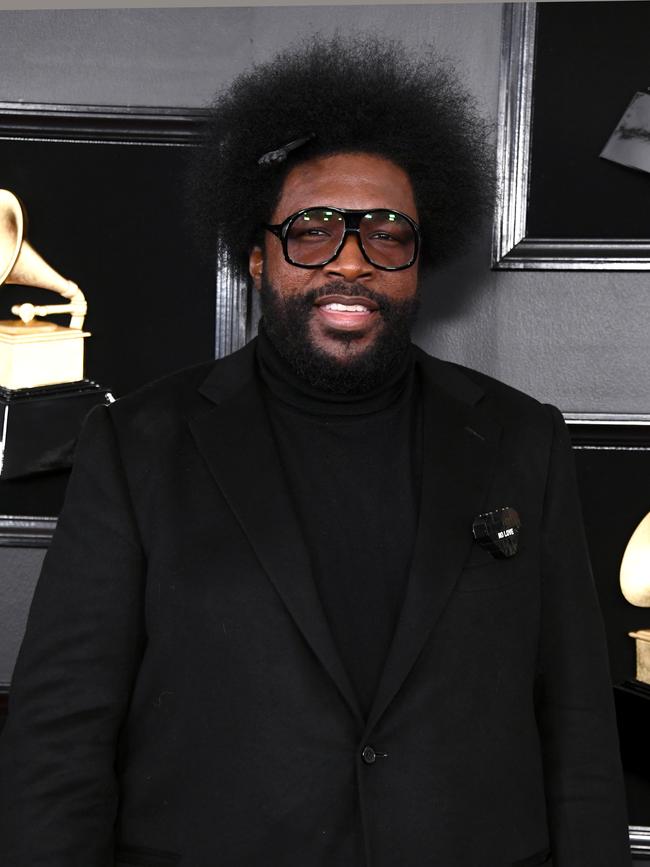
355, 181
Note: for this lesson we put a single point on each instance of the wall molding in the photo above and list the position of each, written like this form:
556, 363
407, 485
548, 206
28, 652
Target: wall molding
26, 531
514, 115
102, 124
639, 841
602, 431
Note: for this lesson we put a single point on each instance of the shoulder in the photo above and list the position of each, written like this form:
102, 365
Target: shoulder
164, 404
505, 404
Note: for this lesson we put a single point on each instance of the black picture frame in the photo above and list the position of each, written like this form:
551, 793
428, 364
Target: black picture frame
104, 189
561, 206
611, 461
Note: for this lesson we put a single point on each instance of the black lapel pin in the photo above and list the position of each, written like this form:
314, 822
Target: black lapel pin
498, 532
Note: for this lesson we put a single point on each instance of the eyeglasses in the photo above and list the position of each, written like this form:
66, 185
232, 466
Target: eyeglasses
314, 237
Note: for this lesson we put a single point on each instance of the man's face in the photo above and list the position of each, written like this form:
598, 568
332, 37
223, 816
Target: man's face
348, 316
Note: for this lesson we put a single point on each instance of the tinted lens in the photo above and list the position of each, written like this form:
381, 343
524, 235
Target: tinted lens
388, 238
313, 236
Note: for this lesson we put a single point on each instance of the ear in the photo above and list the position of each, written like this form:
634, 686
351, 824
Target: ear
256, 266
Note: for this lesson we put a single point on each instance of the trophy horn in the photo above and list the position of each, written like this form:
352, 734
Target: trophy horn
21, 264
12, 225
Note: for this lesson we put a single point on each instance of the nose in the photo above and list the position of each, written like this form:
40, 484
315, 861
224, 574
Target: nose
350, 264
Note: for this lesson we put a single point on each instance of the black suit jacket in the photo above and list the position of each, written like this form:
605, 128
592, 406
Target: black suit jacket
178, 698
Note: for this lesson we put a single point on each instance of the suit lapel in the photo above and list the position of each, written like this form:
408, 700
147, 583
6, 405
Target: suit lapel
236, 440
459, 450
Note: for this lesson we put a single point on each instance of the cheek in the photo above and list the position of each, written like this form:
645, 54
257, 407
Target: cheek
274, 262
404, 285
285, 278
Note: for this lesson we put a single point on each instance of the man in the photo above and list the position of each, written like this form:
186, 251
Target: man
275, 625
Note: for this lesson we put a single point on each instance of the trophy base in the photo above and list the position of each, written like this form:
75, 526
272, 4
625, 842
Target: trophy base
642, 639
635, 687
39, 353
39, 426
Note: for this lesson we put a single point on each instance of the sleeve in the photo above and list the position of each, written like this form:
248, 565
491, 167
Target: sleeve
583, 777
75, 670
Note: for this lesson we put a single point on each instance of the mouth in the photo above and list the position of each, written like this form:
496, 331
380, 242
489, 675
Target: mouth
346, 312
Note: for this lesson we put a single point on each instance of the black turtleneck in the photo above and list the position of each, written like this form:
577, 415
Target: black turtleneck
353, 466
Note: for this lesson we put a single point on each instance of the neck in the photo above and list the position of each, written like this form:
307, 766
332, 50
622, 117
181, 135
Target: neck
290, 386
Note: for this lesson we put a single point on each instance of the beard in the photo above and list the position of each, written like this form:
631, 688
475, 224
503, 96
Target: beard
286, 322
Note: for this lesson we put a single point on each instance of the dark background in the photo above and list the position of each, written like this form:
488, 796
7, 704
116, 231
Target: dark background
590, 59
614, 490
614, 485
113, 221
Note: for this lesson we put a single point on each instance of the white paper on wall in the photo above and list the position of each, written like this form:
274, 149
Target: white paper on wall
629, 144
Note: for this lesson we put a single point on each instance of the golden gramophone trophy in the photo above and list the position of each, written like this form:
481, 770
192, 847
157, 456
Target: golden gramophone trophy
635, 586
43, 394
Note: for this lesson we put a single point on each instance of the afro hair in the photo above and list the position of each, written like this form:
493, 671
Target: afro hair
352, 94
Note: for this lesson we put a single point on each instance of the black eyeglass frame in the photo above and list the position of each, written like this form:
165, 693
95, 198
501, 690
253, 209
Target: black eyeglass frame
352, 220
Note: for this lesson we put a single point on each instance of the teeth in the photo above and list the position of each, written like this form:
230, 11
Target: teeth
346, 308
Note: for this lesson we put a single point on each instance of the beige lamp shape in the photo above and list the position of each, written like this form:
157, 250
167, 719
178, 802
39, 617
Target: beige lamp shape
635, 585
33, 352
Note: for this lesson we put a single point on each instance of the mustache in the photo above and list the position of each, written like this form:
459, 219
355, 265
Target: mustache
350, 290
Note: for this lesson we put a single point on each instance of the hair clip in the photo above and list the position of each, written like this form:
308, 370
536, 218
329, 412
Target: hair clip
277, 156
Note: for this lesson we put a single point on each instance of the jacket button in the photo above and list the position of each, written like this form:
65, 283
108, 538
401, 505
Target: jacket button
368, 755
